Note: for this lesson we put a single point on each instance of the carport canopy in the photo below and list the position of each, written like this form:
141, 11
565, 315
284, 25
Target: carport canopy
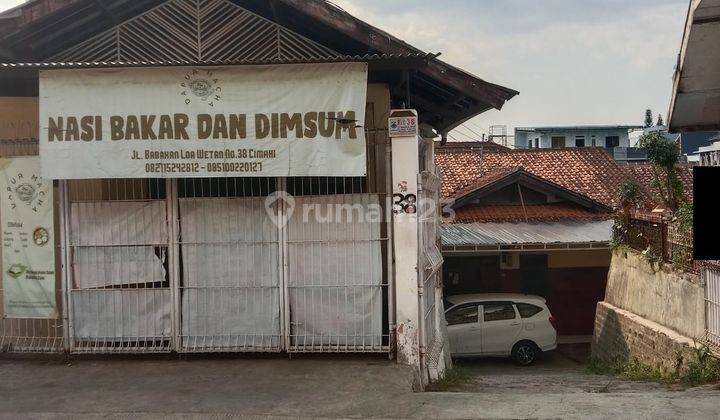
551, 234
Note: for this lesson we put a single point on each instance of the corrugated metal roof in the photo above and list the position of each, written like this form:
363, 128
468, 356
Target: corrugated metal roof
487, 234
330, 59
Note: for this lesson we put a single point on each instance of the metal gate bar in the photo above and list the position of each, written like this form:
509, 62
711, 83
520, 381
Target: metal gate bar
712, 302
336, 288
119, 291
229, 284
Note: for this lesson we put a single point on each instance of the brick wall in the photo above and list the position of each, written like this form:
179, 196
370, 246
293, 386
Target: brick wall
622, 334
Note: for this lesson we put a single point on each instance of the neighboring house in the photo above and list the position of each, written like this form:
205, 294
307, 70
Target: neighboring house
614, 138
688, 142
635, 140
709, 155
536, 222
692, 144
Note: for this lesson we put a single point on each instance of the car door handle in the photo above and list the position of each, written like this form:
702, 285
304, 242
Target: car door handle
514, 324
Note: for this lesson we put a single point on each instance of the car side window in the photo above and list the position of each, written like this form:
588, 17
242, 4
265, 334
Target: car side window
527, 310
498, 311
465, 314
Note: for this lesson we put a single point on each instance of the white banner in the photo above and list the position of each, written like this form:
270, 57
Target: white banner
28, 252
197, 122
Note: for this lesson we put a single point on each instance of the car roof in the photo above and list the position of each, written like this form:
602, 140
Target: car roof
493, 297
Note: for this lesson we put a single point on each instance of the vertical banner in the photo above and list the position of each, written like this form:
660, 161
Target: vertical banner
28, 250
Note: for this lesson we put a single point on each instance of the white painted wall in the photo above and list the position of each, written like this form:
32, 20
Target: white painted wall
405, 170
522, 138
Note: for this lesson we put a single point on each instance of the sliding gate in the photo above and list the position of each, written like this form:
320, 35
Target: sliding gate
226, 265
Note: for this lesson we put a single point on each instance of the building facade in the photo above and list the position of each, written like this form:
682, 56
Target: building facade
615, 139
183, 190
538, 222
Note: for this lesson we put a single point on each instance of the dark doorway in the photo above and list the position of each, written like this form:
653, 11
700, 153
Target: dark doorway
534, 274
468, 275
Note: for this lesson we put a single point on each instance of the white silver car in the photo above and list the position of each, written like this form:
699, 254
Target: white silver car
500, 325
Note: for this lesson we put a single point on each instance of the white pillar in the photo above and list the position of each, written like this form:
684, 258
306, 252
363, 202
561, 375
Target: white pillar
405, 169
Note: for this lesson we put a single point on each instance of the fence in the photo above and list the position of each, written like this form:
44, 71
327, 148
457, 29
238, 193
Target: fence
213, 265
711, 277
430, 260
662, 240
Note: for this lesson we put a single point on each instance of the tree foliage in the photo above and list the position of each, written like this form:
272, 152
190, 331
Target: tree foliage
629, 194
660, 121
664, 154
648, 118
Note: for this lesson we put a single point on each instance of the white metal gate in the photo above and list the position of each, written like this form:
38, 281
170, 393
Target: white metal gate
230, 289
222, 265
431, 261
712, 299
119, 288
335, 274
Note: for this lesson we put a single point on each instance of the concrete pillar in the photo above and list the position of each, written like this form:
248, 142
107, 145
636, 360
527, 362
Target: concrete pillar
405, 170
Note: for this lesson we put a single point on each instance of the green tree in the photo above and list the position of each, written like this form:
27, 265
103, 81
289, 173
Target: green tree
664, 155
660, 122
648, 118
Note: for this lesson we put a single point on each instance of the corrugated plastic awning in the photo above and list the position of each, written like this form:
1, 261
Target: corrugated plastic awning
494, 234
369, 58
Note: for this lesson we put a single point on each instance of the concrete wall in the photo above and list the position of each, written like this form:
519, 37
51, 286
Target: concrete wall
622, 335
673, 299
19, 118
652, 314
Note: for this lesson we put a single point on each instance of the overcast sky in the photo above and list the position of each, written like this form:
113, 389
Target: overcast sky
573, 61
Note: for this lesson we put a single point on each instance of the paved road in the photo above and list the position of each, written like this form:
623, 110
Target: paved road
310, 388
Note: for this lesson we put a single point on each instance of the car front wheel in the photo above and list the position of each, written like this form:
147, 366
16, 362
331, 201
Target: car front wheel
524, 353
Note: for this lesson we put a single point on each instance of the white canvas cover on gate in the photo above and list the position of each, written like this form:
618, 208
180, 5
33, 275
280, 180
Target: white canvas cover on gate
121, 314
118, 223
335, 271
204, 122
231, 287
118, 243
120, 289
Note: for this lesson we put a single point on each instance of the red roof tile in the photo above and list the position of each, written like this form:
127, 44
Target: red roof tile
487, 146
541, 213
644, 175
591, 172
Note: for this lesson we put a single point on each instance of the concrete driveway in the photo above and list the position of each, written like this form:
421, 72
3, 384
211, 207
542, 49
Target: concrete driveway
561, 371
